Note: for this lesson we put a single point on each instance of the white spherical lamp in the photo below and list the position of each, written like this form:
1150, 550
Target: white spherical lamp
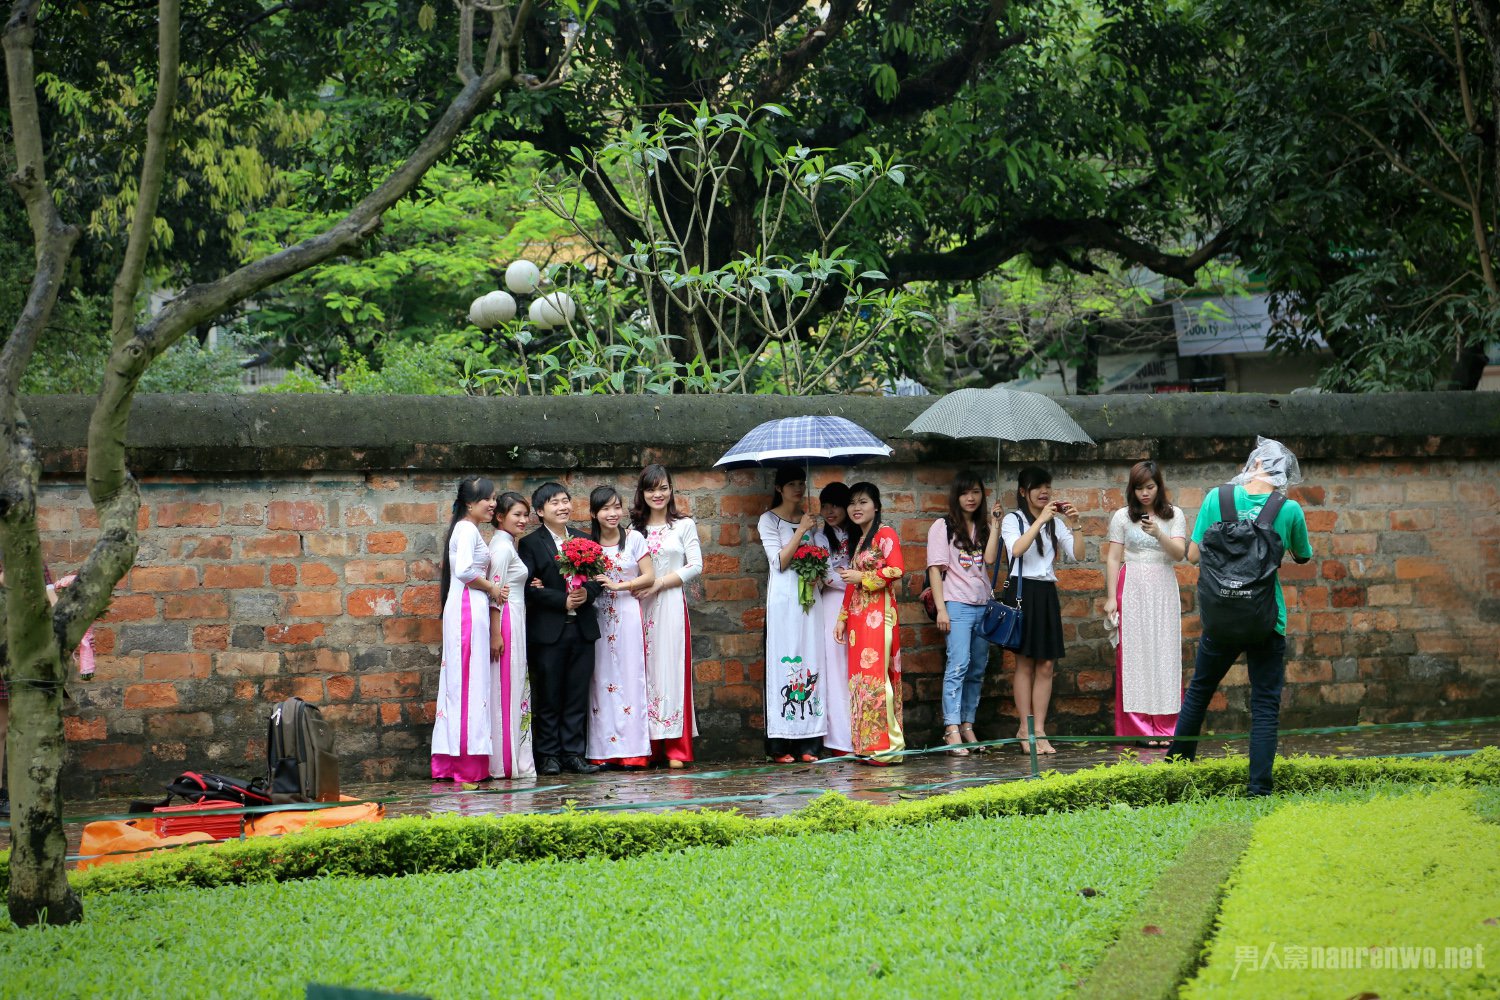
499, 307
476, 312
522, 277
558, 307
541, 315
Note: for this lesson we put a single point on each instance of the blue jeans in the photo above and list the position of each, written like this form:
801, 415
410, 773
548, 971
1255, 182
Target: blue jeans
968, 655
1267, 663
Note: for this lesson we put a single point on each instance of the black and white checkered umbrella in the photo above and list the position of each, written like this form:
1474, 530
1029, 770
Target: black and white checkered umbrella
1001, 413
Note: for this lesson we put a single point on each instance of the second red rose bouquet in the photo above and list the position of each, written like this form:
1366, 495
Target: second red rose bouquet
582, 559
811, 563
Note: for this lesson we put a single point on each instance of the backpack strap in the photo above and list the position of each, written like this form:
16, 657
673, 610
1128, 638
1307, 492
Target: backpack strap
1268, 512
1227, 509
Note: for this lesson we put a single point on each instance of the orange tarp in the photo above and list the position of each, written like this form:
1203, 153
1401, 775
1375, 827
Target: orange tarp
107, 842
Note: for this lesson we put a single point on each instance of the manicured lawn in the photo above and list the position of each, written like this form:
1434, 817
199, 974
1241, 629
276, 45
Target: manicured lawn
979, 907
1395, 897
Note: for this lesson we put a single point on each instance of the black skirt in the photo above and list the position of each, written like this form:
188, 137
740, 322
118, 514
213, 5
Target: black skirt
1041, 619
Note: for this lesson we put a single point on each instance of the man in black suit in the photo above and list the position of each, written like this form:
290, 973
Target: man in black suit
560, 633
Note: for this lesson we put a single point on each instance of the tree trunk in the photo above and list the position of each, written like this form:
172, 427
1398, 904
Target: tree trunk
39, 890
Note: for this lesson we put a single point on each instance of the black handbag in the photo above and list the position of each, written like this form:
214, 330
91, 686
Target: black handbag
1001, 624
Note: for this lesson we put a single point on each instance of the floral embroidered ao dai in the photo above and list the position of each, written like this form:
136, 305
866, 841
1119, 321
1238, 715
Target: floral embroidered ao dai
618, 728
674, 548
795, 646
873, 635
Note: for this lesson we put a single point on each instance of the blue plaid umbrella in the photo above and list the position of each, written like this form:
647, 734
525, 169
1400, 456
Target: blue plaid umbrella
822, 440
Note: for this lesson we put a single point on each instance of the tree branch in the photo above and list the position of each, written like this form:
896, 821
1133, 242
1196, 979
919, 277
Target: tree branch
1047, 237
792, 64
153, 171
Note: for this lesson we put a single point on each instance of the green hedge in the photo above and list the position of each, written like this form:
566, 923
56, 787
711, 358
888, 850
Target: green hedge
449, 844
1337, 899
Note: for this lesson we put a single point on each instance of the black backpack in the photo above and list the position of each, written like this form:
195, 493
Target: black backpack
1237, 566
211, 790
300, 763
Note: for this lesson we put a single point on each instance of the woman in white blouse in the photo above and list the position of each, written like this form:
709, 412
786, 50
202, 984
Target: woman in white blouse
1036, 534
677, 558
1146, 537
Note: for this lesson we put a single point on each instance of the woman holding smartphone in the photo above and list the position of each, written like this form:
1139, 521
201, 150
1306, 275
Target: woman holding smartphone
1037, 533
1146, 537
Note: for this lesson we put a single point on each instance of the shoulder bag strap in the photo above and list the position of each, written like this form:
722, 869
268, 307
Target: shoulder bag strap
1015, 564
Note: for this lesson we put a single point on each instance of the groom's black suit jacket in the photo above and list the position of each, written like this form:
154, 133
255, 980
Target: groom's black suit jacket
546, 606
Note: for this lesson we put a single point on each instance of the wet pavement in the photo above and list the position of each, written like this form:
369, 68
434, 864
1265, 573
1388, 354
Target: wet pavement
762, 789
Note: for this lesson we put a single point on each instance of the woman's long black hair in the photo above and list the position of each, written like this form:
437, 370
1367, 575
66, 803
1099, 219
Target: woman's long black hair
837, 494
963, 482
600, 498
652, 476
471, 489
1029, 479
866, 535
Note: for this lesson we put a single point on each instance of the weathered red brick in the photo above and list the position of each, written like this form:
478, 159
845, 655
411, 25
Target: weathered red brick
295, 634
271, 546
717, 564
1419, 519
234, 577
281, 688
246, 663
316, 661
420, 600
731, 590
295, 515
328, 543
130, 607
150, 696
176, 666
199, 605
283, 575
400, 631
400, 684
372, 601
188, 515
1321, 520
158, 578
112, 757
422, 569
313, 604
245, 515
316, 574
376, 571
358, 517
339, 688
730, 535
385, 542
390, 714
77, 729
1415, 568
409, 513
211, 637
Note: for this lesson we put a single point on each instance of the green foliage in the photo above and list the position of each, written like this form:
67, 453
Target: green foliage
1403, 872
884, 911
1361, 132
455, 844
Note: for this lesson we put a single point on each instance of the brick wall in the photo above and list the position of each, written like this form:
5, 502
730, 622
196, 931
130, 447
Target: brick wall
291, 547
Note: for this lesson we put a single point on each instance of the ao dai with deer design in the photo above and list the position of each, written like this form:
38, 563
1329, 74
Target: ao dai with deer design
874, 637
794, 645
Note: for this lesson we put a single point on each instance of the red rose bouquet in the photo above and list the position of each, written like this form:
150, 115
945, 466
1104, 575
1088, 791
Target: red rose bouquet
582, 559
811, 564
